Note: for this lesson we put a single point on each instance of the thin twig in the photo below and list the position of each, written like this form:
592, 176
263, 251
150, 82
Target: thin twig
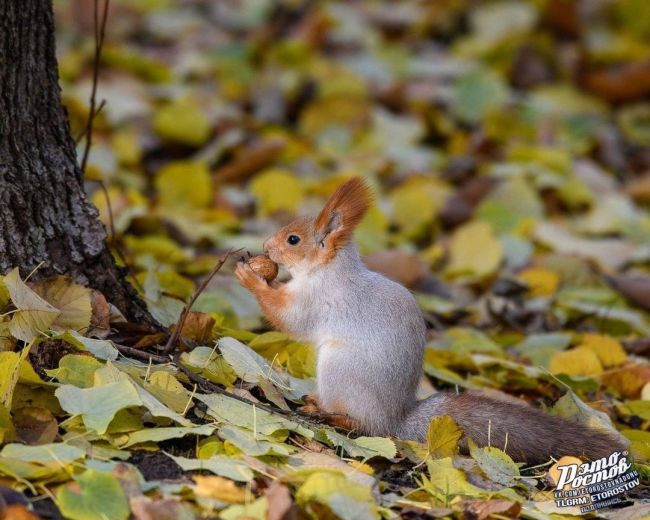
82, 134
100, 32
173, 338
141, 354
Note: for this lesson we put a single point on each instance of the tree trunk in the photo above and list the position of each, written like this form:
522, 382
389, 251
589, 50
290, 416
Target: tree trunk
44, 213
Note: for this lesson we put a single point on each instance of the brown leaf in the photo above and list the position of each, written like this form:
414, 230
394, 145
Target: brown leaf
628, 380
145, 508
101, 314
639, 189
635, 289
150, 340
198, 327
250, 160
17, 512
279, 500
483, 509
401, 267
619, 83
35, 425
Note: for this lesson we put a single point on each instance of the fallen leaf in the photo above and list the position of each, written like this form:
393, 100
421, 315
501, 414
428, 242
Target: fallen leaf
276, 190
73, 302
33, 316
35, 425
220, 488
541, 282
183, 121
579, 361
93, 495
484, 509
609, 350
474, 251
443, 436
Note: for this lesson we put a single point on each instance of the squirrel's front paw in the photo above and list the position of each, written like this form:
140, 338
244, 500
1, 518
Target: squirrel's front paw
247, 276
311, 404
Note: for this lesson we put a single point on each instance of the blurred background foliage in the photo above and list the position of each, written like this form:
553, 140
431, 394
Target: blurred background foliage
507, 142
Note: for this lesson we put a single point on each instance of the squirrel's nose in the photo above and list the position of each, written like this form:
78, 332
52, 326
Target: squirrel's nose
265, 245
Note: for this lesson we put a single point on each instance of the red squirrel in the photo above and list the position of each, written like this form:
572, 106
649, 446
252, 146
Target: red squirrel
370, 334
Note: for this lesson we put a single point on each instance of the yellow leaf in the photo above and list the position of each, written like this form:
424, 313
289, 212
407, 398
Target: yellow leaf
126, 147
277, 190
4, 295
33, 314
166, 388
72, 300
541, 282
576, 362
10, 363
183, 121
219, 488
416, 202
474, 251
609, 350
443, 436
184, 184
554, 472
160, 247
362, 466
345, 498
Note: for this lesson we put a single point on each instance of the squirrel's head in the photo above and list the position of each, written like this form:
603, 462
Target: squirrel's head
307, 243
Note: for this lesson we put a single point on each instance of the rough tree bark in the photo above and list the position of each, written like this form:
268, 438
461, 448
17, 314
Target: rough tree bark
44, 213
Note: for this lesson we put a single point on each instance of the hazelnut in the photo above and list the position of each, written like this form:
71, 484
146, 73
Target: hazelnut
264, 267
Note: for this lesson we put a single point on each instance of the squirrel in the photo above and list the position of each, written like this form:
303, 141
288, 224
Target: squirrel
370, 334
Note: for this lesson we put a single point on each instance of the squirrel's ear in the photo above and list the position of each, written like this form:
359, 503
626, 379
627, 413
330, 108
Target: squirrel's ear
343, 211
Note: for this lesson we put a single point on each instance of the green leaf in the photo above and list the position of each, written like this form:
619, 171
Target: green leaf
98, 405
93, 495
221, 465
495, 463
344, 498
33, 315
232, 411
206, 362
253, 368
478, 93
55, 453
76, 370
184, 184
443, 436
162, 434
256, 510
570, 406
100, 348
364, 447
183, 121
251, 444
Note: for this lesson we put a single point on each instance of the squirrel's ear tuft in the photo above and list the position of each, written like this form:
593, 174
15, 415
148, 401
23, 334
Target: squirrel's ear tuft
344, 210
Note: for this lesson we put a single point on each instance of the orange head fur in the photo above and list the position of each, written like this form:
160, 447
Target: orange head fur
307, 243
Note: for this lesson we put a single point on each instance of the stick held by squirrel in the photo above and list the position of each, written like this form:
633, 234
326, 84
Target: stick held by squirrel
370, 334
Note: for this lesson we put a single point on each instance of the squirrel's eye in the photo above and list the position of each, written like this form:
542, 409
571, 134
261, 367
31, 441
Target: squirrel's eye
293, 239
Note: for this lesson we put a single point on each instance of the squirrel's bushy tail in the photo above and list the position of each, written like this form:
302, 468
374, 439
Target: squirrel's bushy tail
532, 435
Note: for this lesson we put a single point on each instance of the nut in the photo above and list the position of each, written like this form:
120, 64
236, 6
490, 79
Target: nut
264, 267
